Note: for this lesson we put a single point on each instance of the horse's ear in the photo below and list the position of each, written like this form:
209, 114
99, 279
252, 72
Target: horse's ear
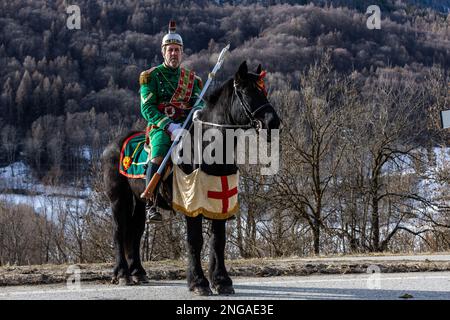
259, 69
242, 72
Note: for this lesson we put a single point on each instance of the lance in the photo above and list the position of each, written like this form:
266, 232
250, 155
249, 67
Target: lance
149, 190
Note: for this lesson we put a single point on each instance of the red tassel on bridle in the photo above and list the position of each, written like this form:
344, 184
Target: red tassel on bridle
260, 82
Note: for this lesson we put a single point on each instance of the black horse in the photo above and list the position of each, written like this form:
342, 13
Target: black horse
239, 102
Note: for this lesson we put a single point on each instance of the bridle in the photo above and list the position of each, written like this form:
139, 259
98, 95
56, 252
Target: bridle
253, 122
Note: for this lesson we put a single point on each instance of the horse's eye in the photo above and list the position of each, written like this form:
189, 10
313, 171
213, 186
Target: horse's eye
246, 90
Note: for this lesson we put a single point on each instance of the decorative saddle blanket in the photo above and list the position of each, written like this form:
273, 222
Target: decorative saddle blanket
215, 197
133, 156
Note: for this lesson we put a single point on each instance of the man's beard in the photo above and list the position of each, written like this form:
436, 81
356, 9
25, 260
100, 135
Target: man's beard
173, 63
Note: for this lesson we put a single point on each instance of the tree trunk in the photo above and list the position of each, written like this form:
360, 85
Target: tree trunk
375, 225
240, 243
253, 250
316, 238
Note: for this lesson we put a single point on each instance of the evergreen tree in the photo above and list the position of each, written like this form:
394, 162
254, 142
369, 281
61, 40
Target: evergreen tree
23, 98
7, 101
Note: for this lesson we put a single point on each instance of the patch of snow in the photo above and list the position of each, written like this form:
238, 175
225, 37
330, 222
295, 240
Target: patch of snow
46, 205
16, 179
15, 176
86, 153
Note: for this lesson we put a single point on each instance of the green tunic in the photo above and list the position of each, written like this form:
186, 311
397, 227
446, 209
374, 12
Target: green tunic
158, 87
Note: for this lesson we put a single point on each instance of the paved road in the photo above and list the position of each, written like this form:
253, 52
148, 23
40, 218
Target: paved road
430, 285
434, 257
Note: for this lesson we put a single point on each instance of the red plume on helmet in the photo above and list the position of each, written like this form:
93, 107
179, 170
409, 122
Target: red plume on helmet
172, 26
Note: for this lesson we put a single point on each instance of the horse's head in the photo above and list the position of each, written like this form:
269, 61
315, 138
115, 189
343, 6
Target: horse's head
253, 106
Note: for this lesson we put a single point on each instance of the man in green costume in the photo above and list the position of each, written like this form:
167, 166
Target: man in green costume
168, 92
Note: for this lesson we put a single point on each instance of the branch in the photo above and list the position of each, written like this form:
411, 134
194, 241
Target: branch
411, 196
414, 233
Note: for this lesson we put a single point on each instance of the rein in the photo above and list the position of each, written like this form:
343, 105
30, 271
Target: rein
253, 122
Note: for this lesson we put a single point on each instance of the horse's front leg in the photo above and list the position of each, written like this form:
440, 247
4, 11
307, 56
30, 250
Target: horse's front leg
218, 275
197, 281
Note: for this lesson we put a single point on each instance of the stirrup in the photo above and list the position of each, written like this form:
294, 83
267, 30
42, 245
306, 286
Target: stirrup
153, 216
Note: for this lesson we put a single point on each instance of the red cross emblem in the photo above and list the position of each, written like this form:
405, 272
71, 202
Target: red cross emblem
223, 195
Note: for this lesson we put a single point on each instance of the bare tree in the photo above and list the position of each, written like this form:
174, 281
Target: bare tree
312, 147
388, 133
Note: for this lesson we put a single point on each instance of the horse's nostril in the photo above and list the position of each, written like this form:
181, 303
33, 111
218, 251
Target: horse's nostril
274, 123
271, 121
277, 124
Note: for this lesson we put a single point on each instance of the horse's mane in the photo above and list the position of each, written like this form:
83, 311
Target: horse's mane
212, 98
228, 84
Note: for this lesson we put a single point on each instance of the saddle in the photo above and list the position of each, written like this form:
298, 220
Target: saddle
133, 165
134, 156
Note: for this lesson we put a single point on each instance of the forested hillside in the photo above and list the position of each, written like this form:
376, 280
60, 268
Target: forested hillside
49, 70
384, 178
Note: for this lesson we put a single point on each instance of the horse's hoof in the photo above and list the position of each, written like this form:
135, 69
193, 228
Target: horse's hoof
122, 281
221, 289
125, 281
201, 291
140, 279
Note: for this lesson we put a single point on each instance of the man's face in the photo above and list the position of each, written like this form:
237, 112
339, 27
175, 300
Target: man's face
173, 53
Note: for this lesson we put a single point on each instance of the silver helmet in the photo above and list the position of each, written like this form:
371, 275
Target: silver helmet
172, 37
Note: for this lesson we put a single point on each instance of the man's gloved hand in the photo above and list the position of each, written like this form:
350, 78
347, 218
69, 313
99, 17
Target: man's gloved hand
172, 130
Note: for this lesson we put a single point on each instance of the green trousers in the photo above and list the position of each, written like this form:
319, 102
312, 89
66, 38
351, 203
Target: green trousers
159, 142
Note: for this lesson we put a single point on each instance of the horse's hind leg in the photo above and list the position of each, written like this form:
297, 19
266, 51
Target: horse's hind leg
121, 210
137, 226
121, 197
197, 281
218, 275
